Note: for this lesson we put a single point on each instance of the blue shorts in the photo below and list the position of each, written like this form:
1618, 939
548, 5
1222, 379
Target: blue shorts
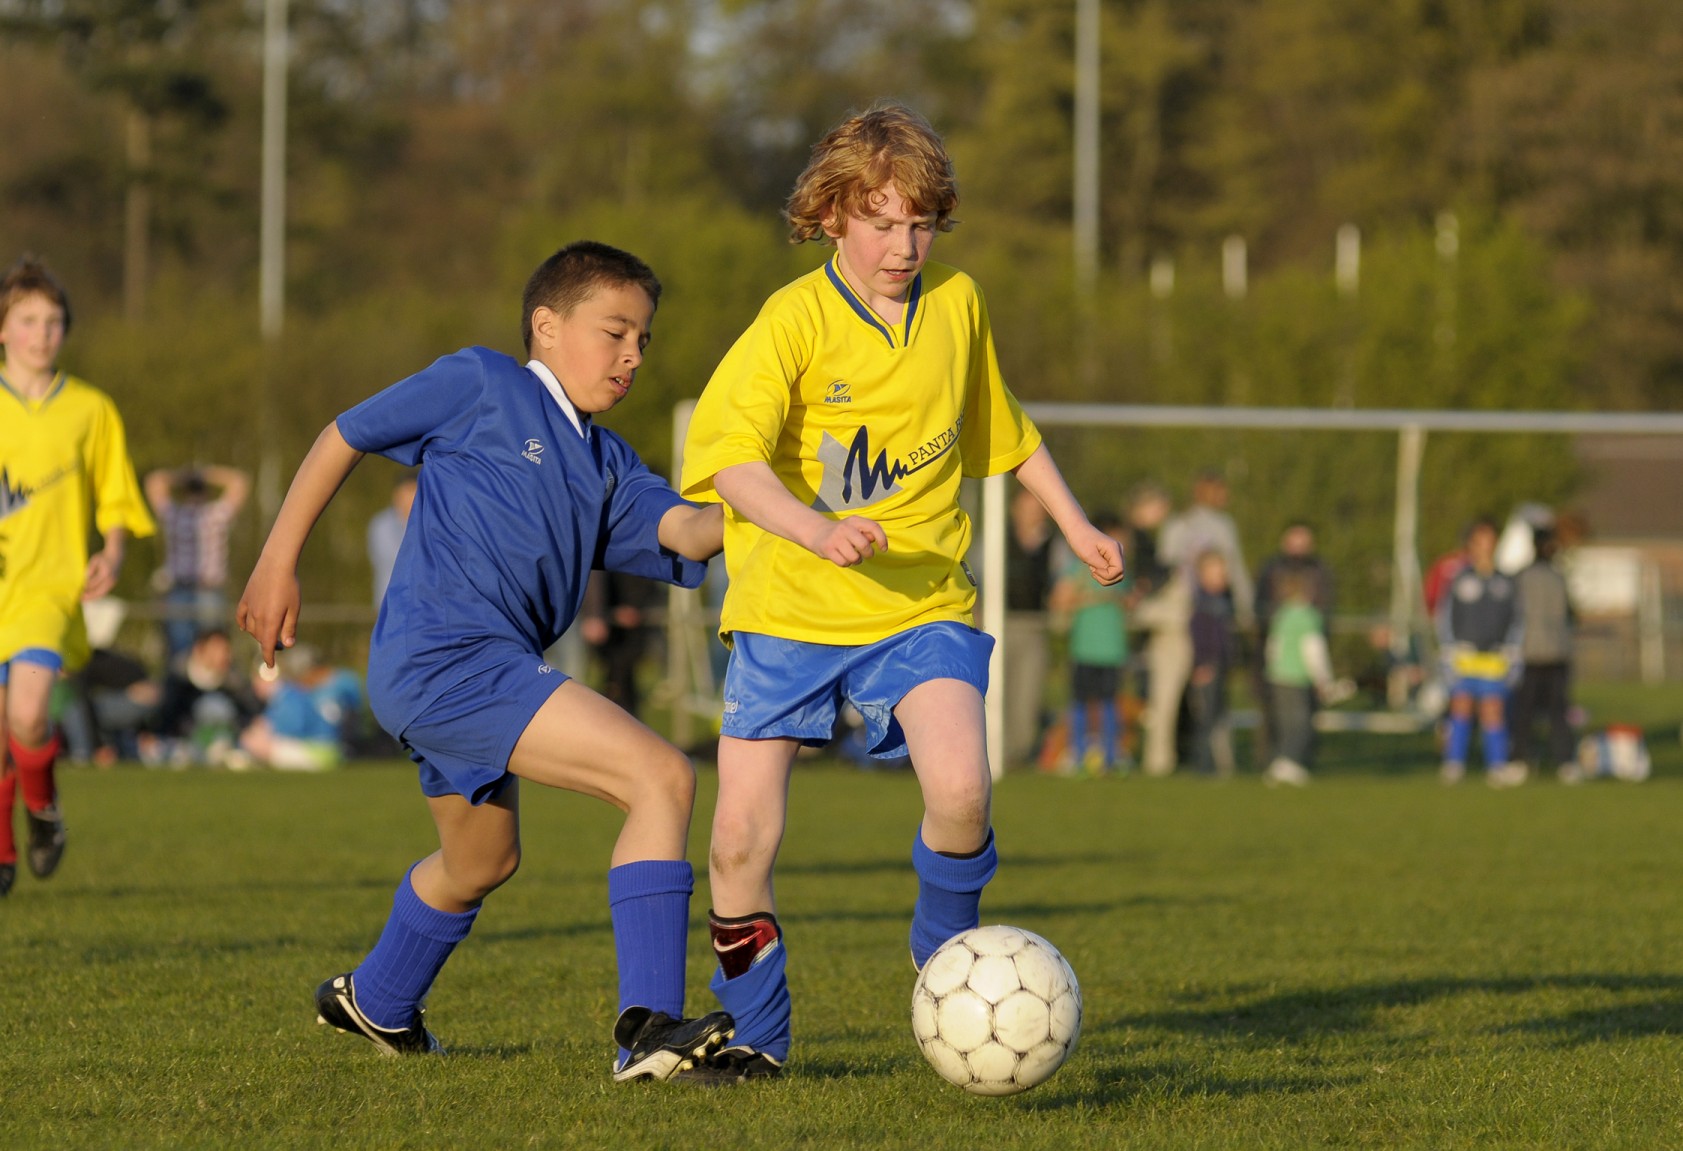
786, 689
1479, 687
462, 742
39, 656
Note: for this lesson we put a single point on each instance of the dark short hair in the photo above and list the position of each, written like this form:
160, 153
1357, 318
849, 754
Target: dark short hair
29, 277
577, 272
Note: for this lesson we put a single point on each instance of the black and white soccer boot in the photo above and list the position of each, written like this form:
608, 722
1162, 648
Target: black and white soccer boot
731, 1065
46, 840
661, 1046
336, 1007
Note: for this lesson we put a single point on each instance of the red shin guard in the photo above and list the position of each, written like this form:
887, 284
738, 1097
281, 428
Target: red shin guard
35, 768
8, 795
739, 941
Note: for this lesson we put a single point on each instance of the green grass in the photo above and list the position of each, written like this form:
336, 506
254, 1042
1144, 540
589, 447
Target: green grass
1374, 962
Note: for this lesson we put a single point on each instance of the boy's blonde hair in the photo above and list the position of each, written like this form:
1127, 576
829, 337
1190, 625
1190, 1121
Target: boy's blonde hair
886, 144
29, 277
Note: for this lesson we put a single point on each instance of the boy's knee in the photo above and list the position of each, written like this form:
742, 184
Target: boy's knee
481, 877
671, 775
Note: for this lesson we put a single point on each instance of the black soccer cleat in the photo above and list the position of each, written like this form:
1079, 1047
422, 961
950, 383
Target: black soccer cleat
8, 876
731, 1065
336, 1007
662, 1046
46, 840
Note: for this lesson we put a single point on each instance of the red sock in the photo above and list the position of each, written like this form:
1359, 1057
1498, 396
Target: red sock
738, 941
35, 767
8, 795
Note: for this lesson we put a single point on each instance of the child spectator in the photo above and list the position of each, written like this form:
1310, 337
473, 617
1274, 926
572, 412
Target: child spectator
196, 506
1546, 651
1213, 649
837, 430
309, 716
520, 495
204, 707
1098, 652
1298, 673
65, 475
1479, 627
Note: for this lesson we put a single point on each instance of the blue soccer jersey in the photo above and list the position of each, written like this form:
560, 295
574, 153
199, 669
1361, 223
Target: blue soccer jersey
514, 507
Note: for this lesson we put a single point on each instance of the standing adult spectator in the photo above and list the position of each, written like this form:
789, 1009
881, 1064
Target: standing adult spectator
1202, 528
1546, 648
1296, 562
1028, 585
385, 534
1479, 628
195, 506
614, 622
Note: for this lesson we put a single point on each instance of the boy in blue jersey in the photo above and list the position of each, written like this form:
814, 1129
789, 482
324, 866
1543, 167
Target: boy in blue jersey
837, 432
520, 496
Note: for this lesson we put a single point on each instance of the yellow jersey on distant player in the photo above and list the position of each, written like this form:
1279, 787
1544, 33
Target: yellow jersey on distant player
64, 471
858, 417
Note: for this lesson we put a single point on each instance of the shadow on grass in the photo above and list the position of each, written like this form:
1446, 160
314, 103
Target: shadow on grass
1312, 1013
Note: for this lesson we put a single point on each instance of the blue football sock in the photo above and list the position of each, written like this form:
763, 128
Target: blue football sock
758, 1000
649, 902
1078, 732
393, 978
1460, 739
1495, 743
949, 894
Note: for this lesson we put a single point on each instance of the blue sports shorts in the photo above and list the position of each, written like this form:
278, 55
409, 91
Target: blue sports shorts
39, 656
462, 742
1479, 687
787, 689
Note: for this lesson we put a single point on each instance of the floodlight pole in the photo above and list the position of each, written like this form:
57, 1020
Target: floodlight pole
1086, 145
271, 259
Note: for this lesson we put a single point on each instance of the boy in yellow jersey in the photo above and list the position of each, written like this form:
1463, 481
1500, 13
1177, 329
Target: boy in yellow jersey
64, 473
836, 431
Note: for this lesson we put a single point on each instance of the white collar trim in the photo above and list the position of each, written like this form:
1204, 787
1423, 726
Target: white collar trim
553, 386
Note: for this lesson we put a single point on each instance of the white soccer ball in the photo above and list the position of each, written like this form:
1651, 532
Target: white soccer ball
996, 1010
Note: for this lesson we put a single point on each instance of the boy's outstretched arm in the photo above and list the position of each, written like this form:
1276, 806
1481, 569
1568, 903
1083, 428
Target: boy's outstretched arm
268, 609
696, 533
756, 494
1102, 555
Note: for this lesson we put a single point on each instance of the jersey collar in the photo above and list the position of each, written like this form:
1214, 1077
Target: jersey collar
554, 388
53, 389
863, 310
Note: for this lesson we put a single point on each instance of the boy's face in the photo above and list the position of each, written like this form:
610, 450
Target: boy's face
595, 349
33, 333
881, 254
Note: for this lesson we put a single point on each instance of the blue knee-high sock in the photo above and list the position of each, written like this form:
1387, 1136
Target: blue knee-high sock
1460, 739
393, 978
1495, 743
649, 901
758, 1000
1078, 731
1111, 720
949, 894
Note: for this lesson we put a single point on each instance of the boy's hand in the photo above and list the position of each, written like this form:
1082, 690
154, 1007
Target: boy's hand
1101, 554
850, 541
268, 611
102, 571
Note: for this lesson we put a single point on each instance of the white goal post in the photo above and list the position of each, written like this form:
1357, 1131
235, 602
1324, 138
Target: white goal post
690, 687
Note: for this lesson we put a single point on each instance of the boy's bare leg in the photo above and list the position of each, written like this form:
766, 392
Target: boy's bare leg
748, 823
953, 854
31, 749
479, 850
946, 736
583, 742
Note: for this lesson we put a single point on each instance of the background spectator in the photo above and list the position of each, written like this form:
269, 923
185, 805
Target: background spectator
195, 507
1028, 585
385, 534
1546, 648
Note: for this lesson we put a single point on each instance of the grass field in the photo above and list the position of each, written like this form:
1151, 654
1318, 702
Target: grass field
1376, 961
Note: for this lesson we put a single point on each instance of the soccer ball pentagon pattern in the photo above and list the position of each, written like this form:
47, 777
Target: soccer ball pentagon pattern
996, 1010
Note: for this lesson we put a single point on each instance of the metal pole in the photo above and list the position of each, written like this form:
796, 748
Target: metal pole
271, 275
1086, 144
1405, 556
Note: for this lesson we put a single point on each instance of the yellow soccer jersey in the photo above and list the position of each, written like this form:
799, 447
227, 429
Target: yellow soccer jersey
64, 471
858, 418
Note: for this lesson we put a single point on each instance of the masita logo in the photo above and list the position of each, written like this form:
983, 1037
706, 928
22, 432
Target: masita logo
533, 451
839, 392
